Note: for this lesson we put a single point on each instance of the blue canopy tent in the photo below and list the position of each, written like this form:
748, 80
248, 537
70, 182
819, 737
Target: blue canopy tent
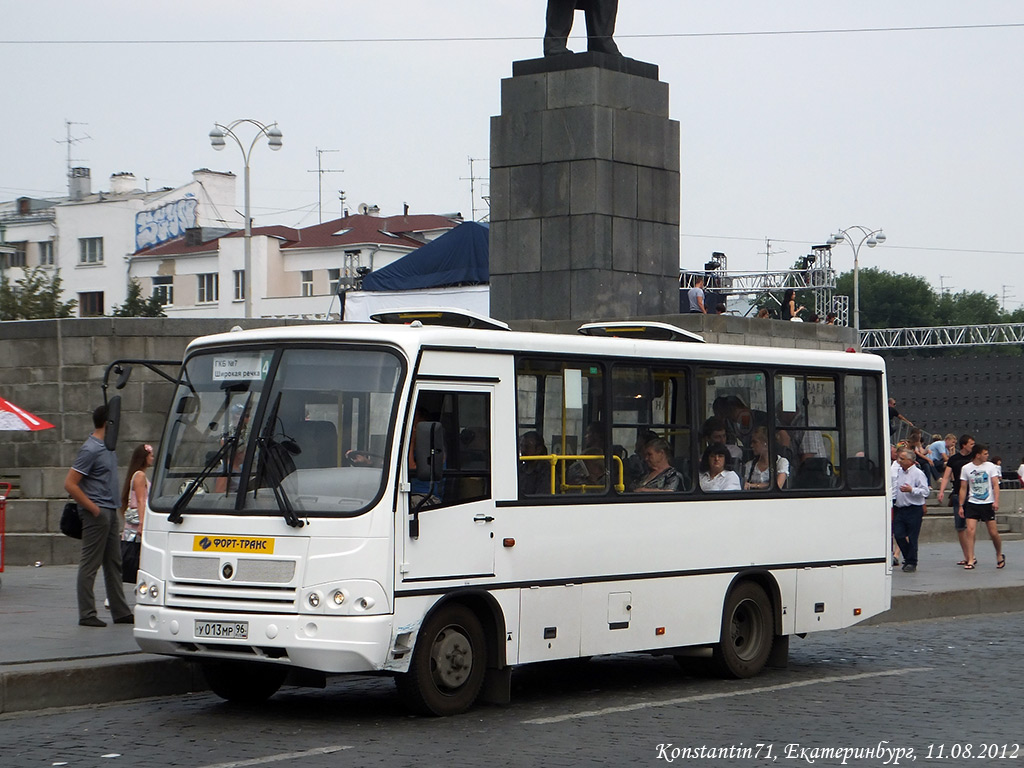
458, 257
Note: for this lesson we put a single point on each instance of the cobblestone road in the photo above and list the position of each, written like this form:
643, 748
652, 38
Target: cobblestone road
949, 682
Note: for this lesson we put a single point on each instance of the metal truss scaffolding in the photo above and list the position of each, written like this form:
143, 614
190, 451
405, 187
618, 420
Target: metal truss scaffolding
943, 336
817, 277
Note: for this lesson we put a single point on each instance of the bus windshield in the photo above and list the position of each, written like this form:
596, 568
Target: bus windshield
292, 431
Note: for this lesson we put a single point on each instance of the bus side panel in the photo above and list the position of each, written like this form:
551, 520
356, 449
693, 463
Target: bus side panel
660, 613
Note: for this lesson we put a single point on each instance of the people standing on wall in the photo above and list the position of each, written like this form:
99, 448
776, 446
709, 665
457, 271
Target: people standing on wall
790, 311
979, 497
953, 467
92, 483
695, 297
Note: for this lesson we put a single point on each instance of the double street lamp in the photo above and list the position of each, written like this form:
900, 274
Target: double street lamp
872, 238
217, 139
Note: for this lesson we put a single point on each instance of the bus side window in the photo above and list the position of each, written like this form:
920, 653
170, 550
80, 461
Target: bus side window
559, 408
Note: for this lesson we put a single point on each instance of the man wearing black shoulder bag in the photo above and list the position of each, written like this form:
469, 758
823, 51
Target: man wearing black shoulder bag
92, 483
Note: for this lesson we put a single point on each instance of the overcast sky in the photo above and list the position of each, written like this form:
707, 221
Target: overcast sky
829, 115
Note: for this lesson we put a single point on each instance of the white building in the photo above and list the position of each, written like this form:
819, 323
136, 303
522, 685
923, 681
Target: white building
90, 237
296, 272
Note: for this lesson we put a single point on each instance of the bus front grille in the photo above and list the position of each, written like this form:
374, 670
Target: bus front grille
230, 597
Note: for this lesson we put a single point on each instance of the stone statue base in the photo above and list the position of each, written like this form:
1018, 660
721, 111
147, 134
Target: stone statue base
585, 192
565, 62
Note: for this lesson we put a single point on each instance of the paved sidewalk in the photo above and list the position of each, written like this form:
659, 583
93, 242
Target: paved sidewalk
47, 660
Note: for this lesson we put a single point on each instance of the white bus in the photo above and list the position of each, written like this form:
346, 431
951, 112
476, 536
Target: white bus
443, 504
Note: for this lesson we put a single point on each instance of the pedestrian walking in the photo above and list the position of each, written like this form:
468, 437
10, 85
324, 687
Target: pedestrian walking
979, 496
910, 489
92, 483
953, 467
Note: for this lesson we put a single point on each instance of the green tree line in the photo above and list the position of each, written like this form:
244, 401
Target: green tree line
891, 300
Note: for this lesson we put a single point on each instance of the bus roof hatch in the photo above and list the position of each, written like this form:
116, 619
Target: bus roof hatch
453, 318
640, 330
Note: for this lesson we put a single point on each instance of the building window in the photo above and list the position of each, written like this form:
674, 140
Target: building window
16, 258
46, 253
334, 276
90, 250
208, 290
90, 304
239, 284
163, 289
307, 282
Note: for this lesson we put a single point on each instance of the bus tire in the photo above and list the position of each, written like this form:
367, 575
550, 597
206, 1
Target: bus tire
747, 632
448, 663
243, 683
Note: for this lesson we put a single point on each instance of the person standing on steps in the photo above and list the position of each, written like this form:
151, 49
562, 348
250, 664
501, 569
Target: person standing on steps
92, 483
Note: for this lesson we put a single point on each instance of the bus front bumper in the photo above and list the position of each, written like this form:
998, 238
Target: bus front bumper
333, 644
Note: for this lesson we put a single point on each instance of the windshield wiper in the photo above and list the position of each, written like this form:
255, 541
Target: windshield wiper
228, 449
275, 464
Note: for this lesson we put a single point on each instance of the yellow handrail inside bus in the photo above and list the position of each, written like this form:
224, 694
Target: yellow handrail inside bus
553, 460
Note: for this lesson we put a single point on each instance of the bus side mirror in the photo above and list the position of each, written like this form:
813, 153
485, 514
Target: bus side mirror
428, 451
113, 422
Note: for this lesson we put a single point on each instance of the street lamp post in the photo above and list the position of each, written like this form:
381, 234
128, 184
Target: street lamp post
274, 137
872, 238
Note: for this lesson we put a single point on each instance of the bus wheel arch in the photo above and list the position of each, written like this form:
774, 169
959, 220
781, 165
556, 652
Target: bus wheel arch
454, 651
750, 621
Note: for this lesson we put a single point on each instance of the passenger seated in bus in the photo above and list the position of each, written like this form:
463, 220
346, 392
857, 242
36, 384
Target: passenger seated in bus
806, 440
592, 472
714, 476
661, 475
636, 467
534, 476
714, 432
757, 473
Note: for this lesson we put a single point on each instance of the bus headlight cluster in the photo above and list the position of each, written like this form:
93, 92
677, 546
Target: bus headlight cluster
148, 589
348, 598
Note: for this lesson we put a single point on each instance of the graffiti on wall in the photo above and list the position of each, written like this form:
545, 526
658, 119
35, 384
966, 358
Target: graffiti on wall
165, 223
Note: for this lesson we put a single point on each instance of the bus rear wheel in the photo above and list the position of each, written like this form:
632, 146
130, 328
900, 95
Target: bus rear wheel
447, 668
243, 683
747, 632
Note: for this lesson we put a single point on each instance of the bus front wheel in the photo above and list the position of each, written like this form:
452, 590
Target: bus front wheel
747, 632
243, 683
448, 663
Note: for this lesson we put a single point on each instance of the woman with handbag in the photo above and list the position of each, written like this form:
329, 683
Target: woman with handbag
134, 496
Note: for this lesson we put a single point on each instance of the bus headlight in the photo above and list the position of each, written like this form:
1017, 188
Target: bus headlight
148, 591
345, 598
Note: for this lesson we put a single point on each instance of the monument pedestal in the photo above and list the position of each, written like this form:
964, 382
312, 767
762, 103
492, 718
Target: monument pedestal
584, 191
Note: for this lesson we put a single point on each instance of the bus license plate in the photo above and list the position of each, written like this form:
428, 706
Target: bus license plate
224, 630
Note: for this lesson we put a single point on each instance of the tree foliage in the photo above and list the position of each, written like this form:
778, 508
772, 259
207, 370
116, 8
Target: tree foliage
36, 296
890, 300
136, 306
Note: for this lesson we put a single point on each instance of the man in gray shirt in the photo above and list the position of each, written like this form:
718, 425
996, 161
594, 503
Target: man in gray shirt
92, 483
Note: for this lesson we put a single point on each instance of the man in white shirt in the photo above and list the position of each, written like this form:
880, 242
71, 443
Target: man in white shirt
910, 489
979, 497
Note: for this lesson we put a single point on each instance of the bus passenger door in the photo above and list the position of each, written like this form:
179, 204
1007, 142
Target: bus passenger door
453, 532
